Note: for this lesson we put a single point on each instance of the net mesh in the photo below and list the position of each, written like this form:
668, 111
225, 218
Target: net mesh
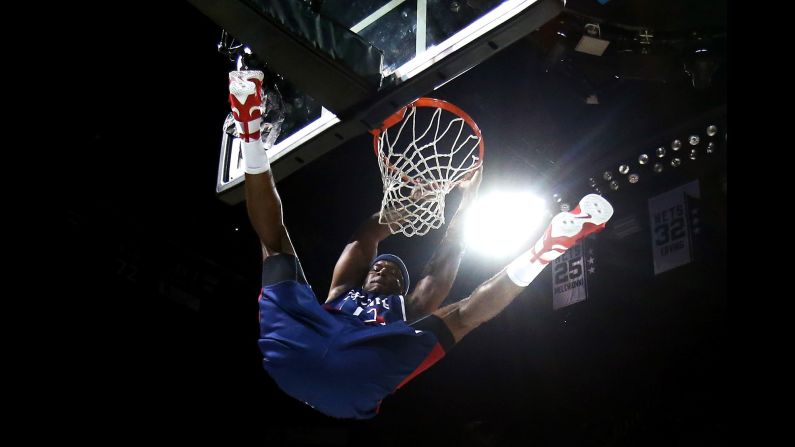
422, 158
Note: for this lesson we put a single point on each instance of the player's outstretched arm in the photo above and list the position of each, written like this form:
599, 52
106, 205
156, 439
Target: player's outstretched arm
440, 272
355, 259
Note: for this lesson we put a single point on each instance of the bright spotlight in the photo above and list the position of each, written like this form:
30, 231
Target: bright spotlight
502, 224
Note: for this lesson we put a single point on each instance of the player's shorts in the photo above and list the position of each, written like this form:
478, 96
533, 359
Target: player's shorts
333, 361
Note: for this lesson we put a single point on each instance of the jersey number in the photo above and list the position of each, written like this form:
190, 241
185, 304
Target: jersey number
375, 314
669, 232
569, 270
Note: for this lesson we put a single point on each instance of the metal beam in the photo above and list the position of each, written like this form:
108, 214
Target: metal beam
322, 73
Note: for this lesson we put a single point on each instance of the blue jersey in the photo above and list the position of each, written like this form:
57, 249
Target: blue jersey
371, 308
345, 357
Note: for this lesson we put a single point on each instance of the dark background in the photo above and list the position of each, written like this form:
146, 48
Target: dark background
167, 275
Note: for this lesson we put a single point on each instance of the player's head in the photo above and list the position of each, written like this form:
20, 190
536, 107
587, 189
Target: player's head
387, 275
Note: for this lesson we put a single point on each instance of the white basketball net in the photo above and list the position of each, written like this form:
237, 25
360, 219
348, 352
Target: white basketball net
419, 166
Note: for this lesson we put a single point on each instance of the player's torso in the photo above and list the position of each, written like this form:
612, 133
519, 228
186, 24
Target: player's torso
371, 308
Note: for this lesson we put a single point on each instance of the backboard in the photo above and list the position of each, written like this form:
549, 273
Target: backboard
345, 65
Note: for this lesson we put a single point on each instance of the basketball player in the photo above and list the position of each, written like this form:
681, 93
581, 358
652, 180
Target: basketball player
373, 334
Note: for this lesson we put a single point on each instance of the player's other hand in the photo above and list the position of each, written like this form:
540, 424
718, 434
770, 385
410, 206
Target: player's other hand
470, 185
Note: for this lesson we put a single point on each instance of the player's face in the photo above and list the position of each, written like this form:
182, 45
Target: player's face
384, 277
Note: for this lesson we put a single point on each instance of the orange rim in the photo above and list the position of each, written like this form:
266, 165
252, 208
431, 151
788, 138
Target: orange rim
428, 102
